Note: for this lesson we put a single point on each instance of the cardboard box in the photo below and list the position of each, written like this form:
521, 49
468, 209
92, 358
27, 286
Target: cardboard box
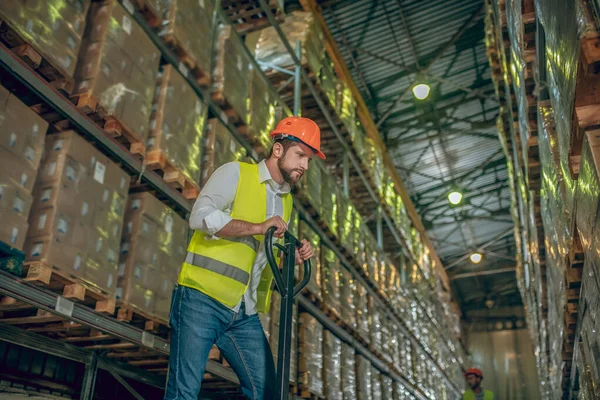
13, 229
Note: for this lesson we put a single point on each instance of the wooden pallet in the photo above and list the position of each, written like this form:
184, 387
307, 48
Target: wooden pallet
36, 58
138, 316
248, 16
158, 162
152, 16
187, 60
72, 287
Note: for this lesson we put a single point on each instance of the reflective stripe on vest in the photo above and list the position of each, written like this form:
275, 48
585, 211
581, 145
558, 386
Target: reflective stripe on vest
222, 268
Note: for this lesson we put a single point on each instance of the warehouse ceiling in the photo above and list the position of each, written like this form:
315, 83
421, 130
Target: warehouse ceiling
444, 143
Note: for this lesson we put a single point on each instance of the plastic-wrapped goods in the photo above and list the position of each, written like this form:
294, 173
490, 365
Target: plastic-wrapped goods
371, 267
587, 195
311, 184
401, 393
345, 216
189, 23
402, 220
387, 388
54, 27
315, 282
361, 235
347, 291
231, 72
328, 81
220, 148
376, 384
348, 373
117, 65
265, 109
406, 357
332, 366
386, 340
359, 140
374, 161
329, 202
298, 26
375, 324
294, 351
153, 247
22, 134
77, 214
273, 333
559, 19
346, 107
310, 348
363, 379
330, 277
274, 328
362, 311
177, 125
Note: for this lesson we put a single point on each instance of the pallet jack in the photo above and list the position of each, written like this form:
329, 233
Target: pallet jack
284, 279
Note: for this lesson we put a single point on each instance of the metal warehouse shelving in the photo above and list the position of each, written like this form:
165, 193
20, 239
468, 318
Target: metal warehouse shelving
46, 300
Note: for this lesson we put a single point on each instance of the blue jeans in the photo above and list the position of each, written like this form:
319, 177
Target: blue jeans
197, 323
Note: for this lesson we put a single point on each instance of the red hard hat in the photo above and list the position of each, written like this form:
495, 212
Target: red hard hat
474, 371
304, 129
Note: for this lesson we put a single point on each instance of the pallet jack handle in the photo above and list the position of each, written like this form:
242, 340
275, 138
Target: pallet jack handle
284, 279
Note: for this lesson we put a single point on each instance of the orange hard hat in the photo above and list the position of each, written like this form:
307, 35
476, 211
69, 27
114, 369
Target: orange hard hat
303, 129
474, 371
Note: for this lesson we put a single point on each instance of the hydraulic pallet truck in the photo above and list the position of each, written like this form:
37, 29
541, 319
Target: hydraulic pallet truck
284, 279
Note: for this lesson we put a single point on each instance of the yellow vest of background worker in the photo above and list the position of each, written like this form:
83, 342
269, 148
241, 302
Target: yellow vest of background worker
222, 268
470, 395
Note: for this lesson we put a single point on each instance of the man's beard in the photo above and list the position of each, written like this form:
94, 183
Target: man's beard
286, 173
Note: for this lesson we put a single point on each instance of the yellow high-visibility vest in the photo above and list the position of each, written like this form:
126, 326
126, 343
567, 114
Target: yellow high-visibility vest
470, 395
222, 268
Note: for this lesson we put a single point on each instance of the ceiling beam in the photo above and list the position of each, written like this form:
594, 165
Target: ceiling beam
482, 273
439, 53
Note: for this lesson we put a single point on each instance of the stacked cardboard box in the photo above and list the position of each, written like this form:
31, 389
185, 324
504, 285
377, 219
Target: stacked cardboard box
363, 379
330, 277
231, 72
310, 348
22, 135
332, 366
348, 373
298, 26
77, 214
152, 250
315, 284
177, 123
54, 27
189, 23
117, 65
220, 148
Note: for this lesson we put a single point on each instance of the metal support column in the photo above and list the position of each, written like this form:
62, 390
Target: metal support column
346, 167
379, 227
89, 379
298, 83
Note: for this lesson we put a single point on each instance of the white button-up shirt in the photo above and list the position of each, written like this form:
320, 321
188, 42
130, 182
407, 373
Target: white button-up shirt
212, 211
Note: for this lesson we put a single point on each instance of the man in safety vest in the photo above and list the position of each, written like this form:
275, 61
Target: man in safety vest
224, 280
474, 377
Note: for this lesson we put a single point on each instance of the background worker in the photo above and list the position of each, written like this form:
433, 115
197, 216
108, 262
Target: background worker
224, 280
474, 377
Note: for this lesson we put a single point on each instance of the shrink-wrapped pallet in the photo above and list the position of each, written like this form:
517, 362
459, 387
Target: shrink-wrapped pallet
332, 366
117, 65
77, 214
220, 148
330, 277
328, 81
298, 26
177, 124
274, 326
265, 110
53, 27
375, 325
329, 201
346, 214
376, 384
311, 185
387, 388
153, 246
362, 311
315, 283
231, 73
187, 25
363, 379
22, 134
348, 373
310, 361
347, 291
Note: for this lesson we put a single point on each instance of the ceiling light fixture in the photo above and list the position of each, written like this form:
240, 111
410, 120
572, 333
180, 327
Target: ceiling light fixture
421, 91
455, 197
476, 258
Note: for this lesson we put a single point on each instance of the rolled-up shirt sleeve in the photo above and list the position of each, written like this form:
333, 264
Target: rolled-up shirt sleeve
211, 210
